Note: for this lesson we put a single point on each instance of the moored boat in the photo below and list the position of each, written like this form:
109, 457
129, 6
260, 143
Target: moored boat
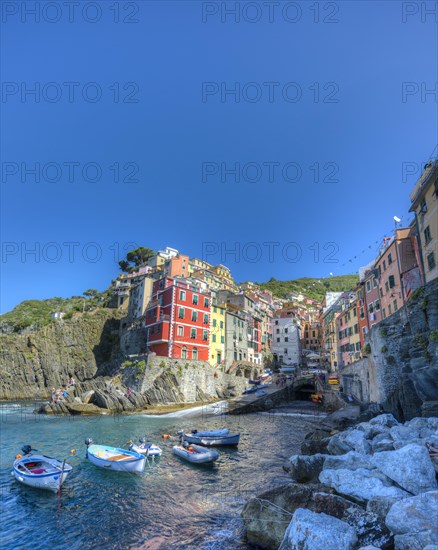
195, 454
145, 448
113, 458
40, 471
211, 438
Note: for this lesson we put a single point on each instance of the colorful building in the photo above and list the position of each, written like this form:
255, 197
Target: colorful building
424, 200
217, 332
178, 319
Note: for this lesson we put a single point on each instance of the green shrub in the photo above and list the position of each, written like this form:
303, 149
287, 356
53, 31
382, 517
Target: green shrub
390, 360
67, 315
417, 293
383, 349
433, 336
141, 367
367, 349
162, 364
383, 332
420, 341
126, 364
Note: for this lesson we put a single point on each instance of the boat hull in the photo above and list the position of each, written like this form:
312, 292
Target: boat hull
47, 480
215, 441
135, 464
200, 456
151, 451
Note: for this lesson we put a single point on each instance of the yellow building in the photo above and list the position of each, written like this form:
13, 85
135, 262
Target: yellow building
424, 199
217, 333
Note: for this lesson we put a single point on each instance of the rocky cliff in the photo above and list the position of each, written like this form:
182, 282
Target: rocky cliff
401, 368
87, 346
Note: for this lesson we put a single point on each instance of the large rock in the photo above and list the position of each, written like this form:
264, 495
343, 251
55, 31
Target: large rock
426, 540
309, 531
267, 516
370, 528
337, 445
306, 468
410, 467
382, 442
381, 506
414, 515
361, 485
88, 396
386, 420
83, 408
349, 461
315, 442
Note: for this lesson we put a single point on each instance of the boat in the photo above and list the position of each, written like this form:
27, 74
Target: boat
195, 454
113, 458
40, 471
145, 448
255, 382
254, 389
211, 438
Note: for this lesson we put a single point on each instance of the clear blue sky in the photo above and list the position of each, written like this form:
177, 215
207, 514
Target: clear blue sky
171, 130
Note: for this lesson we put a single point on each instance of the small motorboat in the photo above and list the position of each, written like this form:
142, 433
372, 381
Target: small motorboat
40, 471
255, 389
145, 448
255, 382
195, 454
113, 458
212, 438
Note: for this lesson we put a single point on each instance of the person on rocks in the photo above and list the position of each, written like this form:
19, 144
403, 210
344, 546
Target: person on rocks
71, 381
54, 396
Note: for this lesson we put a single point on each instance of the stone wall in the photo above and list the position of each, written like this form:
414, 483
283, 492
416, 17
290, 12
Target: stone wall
401, 372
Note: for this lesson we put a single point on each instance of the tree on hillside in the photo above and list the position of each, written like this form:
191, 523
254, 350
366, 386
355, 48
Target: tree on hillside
91, 293
136, 258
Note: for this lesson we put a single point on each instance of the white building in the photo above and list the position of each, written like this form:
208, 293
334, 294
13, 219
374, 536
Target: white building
286, 341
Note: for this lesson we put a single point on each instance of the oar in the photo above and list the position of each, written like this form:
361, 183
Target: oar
59, 484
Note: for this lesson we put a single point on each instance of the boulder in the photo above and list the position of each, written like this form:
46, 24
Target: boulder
83, 408
370, 529
361, 485
386, 420
349, 461
410, 467
106, 400
404, 435
315, 442
267, 516
88, 396
382, 442
414, 515
337, 445
416, 541
357, 440
380, 506
77, 400
306, 468
309, 530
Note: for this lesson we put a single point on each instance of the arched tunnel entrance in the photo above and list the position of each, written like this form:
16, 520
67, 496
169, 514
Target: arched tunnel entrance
304, 391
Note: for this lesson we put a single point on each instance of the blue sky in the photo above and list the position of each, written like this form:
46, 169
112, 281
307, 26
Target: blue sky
337, 106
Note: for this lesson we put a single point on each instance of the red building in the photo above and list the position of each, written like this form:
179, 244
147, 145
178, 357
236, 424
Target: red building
178, 319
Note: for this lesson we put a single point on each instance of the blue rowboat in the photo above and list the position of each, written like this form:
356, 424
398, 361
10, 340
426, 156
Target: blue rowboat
40, 471
113, 458
212, 440
195, 454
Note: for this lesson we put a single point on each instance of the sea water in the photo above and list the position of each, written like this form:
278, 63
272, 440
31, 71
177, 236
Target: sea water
172, 505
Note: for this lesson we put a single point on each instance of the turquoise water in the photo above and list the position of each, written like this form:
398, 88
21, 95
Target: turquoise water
172, 505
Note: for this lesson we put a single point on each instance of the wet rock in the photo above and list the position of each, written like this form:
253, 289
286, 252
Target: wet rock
414, 515
306, 468
370, 529
267, 516
410, 467
309, 530
361, 485
315, 442
349, 461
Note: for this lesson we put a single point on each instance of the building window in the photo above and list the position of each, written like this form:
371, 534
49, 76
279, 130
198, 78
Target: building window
180, 331
182, 295
194, 315
384, 313
206, 302
276, 322
362, 313
389, 259
374, 282
181, 313
213, 338
368, 286
195, 353
431, 261
221, 324
214, 322
205, 319
184, 353
215, 309
286, 339
387, 286
354, 313
384, 265
391, 281
377, 305
427, 235
381, 292
389, 309
423, 206
395, 305
277, 331
205, 335
222, 339
193, 333
278, 339
285, 330
356, 329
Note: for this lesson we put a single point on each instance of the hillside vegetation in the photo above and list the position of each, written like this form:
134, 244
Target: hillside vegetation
311, 287
35, 314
